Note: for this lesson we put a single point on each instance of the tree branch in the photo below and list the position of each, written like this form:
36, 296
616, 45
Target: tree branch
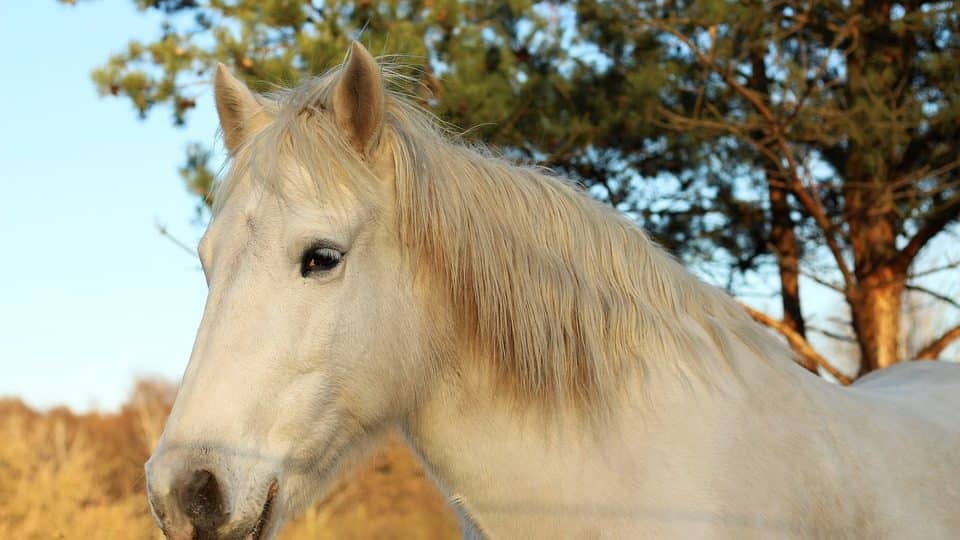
935, 294
832, 335
935, 347
162, 229
928, 230
800, 345
828, 284
937, 269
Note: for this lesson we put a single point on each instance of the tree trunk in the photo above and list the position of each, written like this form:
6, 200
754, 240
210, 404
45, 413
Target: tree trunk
875, 307
876, 298
870, 212
783, 241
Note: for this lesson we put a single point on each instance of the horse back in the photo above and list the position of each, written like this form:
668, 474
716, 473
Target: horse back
907, 438
928, 388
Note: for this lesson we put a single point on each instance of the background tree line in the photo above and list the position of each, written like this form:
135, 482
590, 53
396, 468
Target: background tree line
778, 138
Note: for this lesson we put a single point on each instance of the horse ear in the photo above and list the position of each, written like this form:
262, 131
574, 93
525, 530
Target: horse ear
237, 107
358, 101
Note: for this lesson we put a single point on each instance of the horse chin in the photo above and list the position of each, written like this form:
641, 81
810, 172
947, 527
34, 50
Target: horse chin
310, 480
267, 514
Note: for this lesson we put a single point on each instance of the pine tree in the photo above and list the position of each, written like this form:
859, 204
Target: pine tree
746, 136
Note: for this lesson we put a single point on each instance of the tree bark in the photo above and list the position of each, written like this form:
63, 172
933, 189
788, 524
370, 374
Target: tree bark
783, 241
875, 307
870, 212
876, 299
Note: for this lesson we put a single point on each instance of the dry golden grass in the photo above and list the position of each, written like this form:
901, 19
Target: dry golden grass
68, 476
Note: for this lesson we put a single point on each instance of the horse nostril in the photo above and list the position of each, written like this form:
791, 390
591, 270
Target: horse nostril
200, 499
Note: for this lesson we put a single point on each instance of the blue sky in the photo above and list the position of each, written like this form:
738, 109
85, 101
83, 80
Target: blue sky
91, 296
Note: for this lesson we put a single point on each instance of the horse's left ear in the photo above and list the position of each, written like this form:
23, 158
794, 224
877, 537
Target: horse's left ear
358, 101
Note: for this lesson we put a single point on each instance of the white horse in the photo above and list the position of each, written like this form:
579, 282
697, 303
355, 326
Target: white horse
558, 373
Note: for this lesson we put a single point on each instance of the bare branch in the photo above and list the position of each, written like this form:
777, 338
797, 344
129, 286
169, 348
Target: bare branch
840, 321
828, 284
162, 229
800, 345
949, 266
832, 335
928, 230
921, 173
814, 206
935, 294
935, 347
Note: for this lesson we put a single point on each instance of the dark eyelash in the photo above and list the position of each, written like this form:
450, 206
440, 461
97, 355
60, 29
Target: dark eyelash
321, 257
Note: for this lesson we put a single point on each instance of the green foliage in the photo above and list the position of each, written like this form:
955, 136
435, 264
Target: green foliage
197, 172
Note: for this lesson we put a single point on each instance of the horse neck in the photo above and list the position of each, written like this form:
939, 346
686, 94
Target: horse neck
515, 471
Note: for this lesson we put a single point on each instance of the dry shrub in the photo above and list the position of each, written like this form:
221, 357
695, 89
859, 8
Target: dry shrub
56, 485
68, 476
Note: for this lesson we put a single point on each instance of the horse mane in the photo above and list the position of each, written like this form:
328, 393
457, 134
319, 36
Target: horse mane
561, 297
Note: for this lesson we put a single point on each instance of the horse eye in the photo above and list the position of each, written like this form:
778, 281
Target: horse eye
319, 259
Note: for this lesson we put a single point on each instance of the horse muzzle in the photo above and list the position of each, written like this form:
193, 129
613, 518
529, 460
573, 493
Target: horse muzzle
193, 502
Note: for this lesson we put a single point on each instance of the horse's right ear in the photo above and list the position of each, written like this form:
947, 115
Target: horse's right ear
237, 107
